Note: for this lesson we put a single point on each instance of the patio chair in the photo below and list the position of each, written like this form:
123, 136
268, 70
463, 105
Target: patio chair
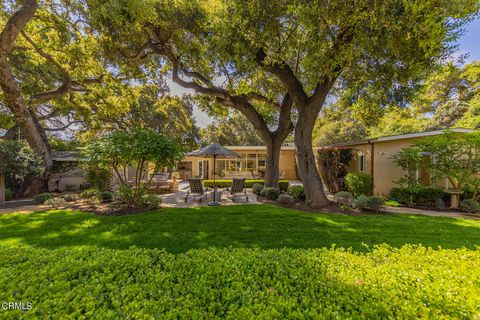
196, 189
238, 189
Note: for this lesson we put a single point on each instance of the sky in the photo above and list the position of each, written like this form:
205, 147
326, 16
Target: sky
468, 44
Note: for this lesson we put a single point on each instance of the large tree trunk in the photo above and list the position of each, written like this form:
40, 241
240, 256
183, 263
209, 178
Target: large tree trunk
272, 170
2, 190
307, 169
24, 117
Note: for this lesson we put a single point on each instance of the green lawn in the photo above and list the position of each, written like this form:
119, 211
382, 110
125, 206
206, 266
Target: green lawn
239, 262
262, 226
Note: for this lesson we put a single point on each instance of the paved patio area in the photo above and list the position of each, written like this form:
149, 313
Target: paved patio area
177, 200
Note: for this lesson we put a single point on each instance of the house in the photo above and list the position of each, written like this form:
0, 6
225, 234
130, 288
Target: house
250, 165
374, 157
68, 174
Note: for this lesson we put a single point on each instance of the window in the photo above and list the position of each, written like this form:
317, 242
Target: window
361, 162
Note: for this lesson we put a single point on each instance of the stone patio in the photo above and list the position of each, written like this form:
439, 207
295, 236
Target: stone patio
177, 200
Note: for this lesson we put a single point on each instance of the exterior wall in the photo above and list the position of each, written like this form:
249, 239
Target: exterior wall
288, 164
385, 171
287, 161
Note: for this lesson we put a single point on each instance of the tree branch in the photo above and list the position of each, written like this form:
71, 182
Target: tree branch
15, 25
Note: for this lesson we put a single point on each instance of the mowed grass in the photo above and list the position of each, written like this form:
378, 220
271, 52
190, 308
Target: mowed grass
251, 226
238, 262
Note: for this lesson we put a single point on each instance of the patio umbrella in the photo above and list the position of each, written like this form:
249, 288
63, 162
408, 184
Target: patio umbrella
214, 151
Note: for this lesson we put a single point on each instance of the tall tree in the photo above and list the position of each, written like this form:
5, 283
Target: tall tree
296, 50
50, 68
177, 35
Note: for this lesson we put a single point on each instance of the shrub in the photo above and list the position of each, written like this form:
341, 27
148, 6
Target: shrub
106, 196
384, 283
270, 193
257, 188
70, 197
90, 193
8, 194
56, 202
285, 198
98, 178
470, 205
359, 183
151, 201
297, 192
42, 197
333, 166
368, 203
344, 197
419, 195
283, 184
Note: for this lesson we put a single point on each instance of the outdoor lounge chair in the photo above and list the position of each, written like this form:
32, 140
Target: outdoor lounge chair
196, 189
238, 189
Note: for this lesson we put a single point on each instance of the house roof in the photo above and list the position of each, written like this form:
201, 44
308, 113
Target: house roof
399, 137
65, 156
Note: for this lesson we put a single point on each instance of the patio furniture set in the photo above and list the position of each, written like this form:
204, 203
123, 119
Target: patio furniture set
198, 191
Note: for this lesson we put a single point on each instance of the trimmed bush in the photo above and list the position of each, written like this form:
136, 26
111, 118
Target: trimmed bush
410, 282
283, 184
42, 197
470, 205
297, 192
106, 196
270, 193
257, 188
422, 195
56, 202
8, 194
70, 197
343, 197
359, 183
368, 203
285, 198
151, 201
91, 193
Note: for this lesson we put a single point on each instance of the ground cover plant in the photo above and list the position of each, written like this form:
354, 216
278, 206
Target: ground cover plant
251, 261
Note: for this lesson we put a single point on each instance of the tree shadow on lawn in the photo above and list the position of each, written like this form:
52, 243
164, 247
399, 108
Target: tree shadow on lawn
263, 226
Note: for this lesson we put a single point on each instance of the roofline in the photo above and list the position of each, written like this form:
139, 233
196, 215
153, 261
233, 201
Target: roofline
399, 137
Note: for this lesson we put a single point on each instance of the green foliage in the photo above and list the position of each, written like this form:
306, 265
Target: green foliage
344, 197
17, 162
106, 196
358, 183
143, 149
470, 205
270, 193
418, 195
70, 197
257, 188
368, 203
151, 201
297, 192
98, 178
283, 184
56, 202
42, 197
456, 158
333, 166
246, 283
90, 193
286, 199
8, 194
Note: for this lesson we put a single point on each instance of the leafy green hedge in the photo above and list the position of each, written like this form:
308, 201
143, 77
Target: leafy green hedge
248, 183
424, 195
410, 282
